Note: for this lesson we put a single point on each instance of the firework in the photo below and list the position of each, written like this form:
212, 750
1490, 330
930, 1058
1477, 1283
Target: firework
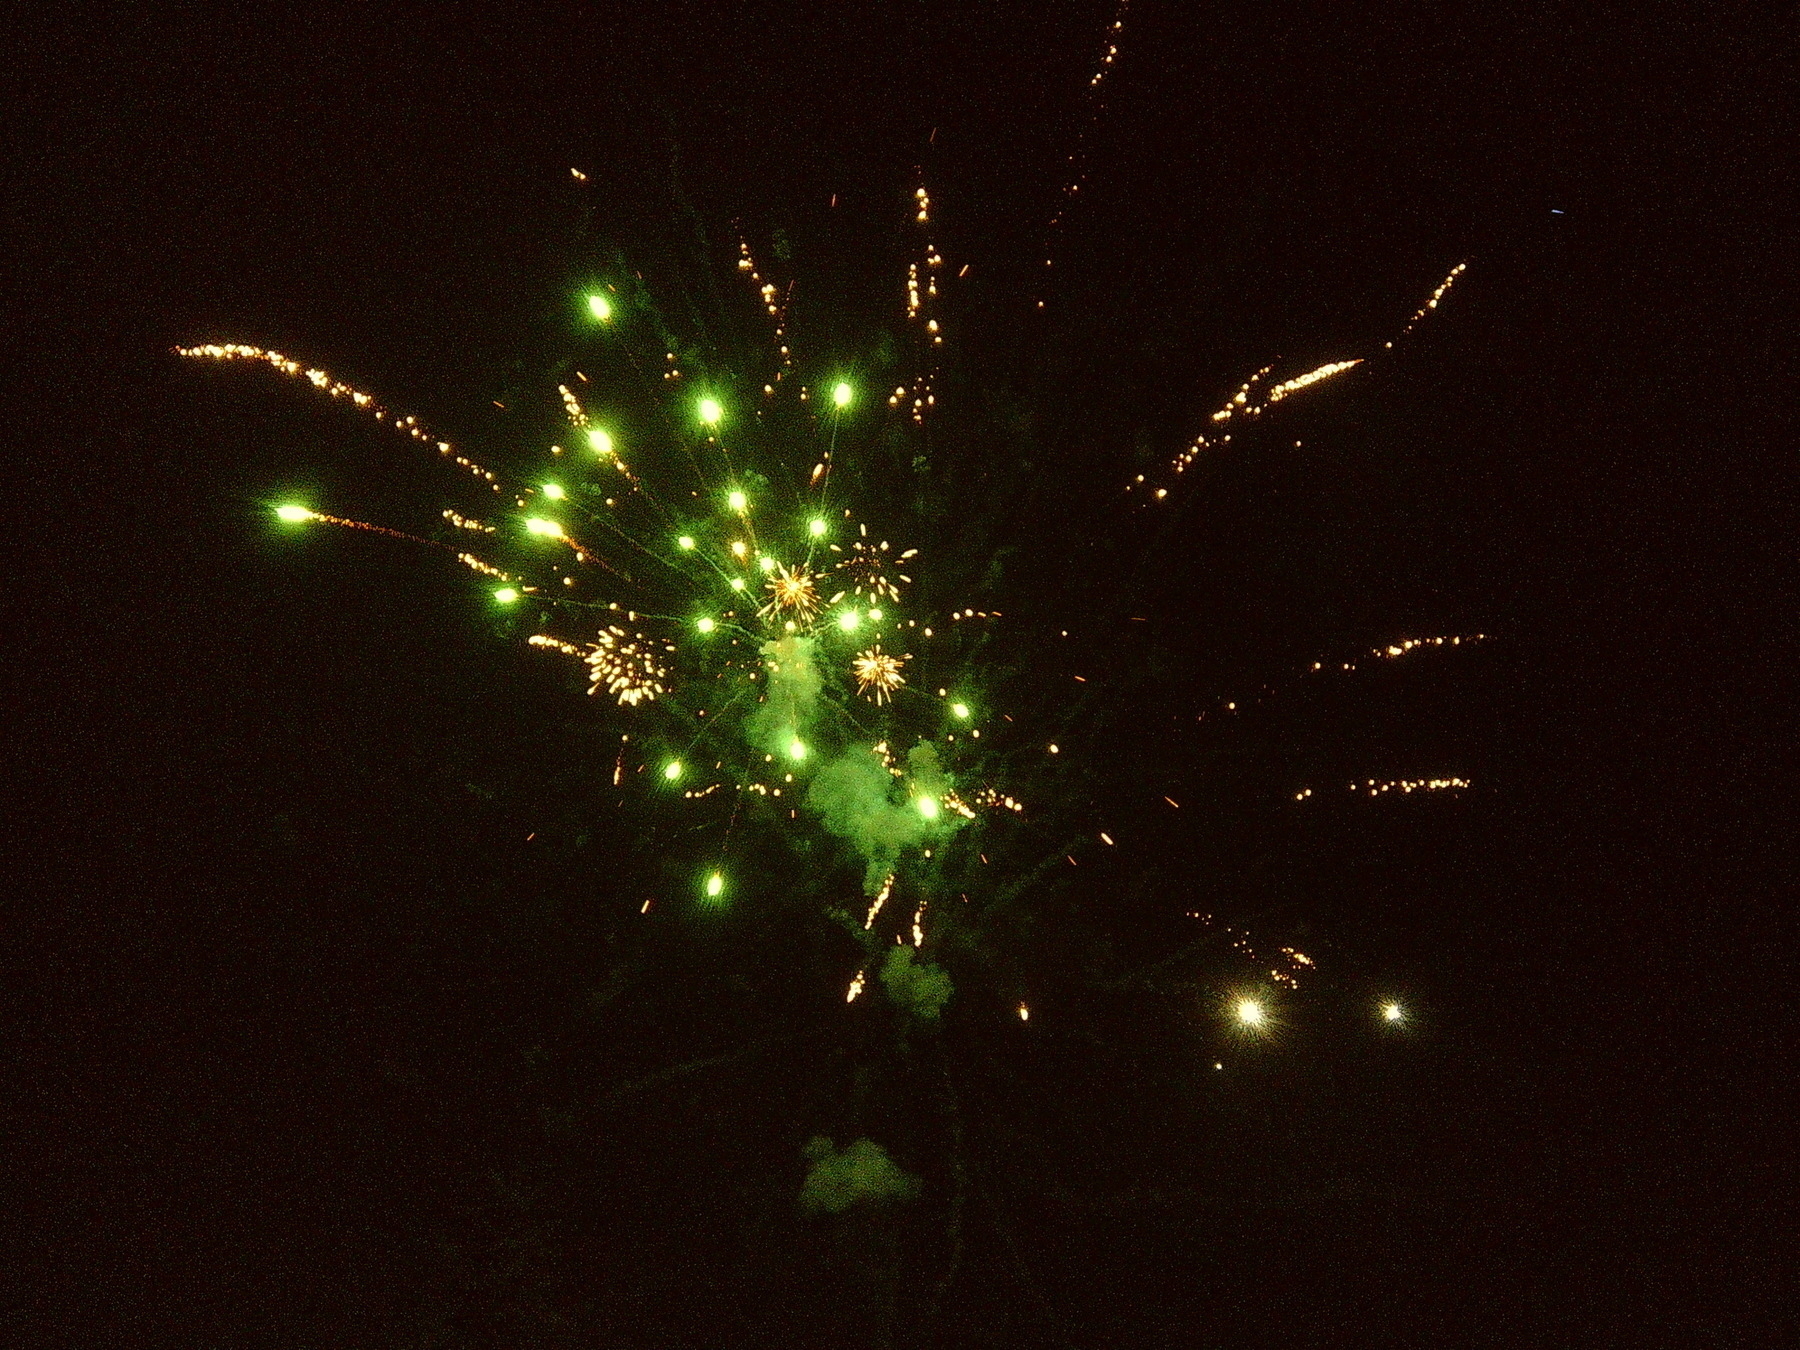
878, 674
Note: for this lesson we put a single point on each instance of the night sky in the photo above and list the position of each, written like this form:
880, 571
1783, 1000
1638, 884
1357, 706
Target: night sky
329, 1018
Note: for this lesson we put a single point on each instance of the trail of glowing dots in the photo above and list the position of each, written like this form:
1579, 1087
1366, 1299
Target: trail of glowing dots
600, 307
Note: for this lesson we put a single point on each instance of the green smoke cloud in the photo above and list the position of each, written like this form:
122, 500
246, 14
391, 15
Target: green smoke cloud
918, 986
791, 699
862, 1172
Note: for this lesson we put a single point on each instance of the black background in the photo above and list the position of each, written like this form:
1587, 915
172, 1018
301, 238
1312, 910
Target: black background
287, 1003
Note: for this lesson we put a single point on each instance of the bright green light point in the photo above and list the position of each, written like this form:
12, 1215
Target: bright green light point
672, 770
548, 528
737, 501
706, 625
796, 749
766, 563
737, 583
960, 709
600, 307
816, 528
1392, 1012
841, 394
849, 621
928, 807
600, 441
715, 886
711, 410
506, 595
686, 541
293, 514
554, 492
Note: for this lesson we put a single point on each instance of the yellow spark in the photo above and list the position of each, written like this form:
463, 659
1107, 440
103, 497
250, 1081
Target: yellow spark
878, 674
887, 889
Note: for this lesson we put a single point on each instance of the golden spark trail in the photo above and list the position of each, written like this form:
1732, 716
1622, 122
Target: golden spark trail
330, 385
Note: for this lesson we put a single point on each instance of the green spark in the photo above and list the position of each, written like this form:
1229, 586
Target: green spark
600, 307
686, 541
842, 393
599, 441
816, 528
796, 749
293, 514
960, 709
711, 410
737, 501
849, 620
506, 595
548, 528
706, 625
554, 492
672, 770
928, 807
715, 886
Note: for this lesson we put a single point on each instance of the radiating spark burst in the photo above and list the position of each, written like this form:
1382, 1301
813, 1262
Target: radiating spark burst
628, 665
793, 593
871, 570
878, 675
